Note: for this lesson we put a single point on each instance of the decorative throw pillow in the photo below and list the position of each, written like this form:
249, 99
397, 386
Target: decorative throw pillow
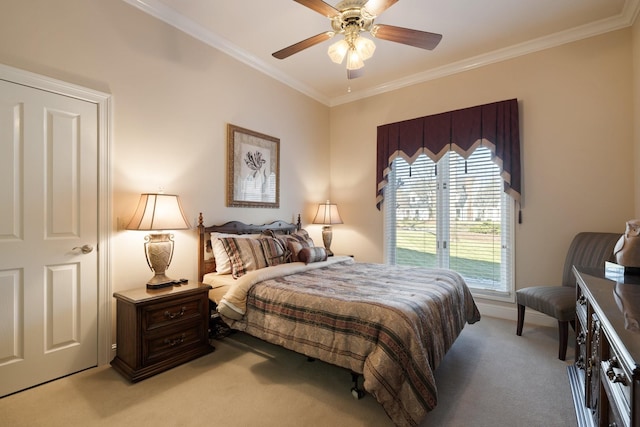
303, 236
223, 264
244, 254
295, 242
274, 251
312, 254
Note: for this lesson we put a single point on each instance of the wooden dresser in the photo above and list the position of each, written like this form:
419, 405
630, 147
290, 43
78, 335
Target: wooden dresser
160, 329
605, 377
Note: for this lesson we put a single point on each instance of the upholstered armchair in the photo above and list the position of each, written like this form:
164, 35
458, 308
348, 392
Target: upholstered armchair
588, 249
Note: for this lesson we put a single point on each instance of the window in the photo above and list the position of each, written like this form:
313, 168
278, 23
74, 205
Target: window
452, 214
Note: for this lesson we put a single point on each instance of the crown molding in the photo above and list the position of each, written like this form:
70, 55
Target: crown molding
155, 8
625, 19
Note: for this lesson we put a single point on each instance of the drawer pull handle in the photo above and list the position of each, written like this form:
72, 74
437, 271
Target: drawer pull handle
174, 315
582, 300
582, 338
176, 341
616, 378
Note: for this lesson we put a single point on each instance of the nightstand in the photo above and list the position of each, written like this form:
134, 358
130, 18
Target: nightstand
160, 329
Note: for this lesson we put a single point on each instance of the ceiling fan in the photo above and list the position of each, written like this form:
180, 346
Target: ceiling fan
352, 17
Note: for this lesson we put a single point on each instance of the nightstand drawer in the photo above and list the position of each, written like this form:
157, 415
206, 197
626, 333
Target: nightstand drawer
169, 313
161, 328
176, 341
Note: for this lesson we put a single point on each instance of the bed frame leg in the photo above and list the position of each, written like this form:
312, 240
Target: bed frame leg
217, 328
356, 391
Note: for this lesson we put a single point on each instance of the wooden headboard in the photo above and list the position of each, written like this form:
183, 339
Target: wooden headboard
233, 227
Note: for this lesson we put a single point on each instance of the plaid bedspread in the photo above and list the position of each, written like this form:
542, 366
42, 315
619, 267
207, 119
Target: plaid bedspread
391, 324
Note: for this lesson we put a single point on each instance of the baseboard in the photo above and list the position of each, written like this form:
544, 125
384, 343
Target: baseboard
511, 313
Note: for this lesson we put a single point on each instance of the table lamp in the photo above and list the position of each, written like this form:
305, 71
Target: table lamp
159, 212
328, 215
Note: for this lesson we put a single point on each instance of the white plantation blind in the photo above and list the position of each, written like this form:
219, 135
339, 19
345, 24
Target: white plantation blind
452, 214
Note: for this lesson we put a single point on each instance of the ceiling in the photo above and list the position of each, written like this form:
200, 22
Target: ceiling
475, 33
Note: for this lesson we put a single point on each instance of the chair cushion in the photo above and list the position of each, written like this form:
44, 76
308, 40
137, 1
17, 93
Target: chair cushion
555, 301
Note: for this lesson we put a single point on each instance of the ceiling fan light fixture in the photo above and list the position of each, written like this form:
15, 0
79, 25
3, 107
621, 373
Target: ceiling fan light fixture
354, 61
352, 18
359, 50
365, 47
338, 50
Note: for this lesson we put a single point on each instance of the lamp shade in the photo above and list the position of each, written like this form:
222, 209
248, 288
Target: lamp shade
365, 47
338, 51
158, 212
355, 48
354, 61
327, 214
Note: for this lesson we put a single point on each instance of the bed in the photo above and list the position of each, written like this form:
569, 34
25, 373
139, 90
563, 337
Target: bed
392, 325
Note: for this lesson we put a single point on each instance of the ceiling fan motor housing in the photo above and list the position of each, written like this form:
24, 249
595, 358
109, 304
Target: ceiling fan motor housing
353, 17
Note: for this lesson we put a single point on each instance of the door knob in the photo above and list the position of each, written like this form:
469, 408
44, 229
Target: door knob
85, 249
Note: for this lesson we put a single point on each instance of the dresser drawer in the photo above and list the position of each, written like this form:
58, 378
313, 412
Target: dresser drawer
168, 313
160, 329
617, 384
171, 342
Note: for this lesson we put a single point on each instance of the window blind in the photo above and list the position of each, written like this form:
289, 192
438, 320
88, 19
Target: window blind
451, 214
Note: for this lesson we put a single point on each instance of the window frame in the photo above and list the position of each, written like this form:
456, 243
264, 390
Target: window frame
508, 219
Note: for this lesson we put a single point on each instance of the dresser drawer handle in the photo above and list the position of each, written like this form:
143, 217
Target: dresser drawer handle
582, 338
580, 363
176, 341
582, 300
174, 315
616, 378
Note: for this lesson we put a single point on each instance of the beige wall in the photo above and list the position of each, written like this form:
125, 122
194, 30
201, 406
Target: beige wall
577, 150
173, 97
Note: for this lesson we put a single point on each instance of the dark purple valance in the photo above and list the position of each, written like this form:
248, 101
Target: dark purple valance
495, 126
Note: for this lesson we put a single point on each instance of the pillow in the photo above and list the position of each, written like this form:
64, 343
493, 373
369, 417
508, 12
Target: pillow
244, 255
274, 251
223, 265
294, 243
312, 254
303, 235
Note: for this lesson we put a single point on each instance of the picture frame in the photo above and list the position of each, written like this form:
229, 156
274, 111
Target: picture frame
253, 169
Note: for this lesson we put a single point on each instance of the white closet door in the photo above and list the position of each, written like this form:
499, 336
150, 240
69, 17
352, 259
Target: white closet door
48, 236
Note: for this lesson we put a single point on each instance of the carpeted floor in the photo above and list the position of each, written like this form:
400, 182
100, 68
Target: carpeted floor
490, 377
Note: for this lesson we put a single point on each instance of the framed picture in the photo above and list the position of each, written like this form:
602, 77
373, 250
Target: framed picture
253, 169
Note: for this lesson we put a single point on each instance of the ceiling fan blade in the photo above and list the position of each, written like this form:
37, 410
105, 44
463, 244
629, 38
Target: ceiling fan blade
297, 47
320, 7
376, 7
354, 74
415, 38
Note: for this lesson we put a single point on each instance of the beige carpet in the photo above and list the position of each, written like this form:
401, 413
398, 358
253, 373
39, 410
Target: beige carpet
490, 377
